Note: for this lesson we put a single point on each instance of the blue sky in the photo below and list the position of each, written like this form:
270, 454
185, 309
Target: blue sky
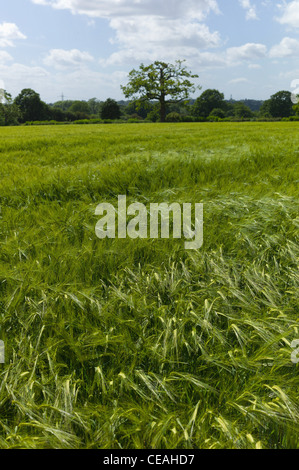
85, 48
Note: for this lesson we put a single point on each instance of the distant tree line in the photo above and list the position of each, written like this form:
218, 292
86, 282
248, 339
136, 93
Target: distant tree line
210, 105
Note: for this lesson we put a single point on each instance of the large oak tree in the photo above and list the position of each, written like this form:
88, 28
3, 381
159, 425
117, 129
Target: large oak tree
160, 81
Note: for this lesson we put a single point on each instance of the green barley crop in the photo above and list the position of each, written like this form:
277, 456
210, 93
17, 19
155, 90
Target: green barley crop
123, 344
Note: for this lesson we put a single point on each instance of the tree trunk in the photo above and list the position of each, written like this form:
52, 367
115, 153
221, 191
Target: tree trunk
162, 109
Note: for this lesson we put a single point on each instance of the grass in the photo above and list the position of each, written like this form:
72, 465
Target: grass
140, 344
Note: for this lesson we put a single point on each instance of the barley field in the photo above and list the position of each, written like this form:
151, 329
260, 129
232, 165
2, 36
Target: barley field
141, 344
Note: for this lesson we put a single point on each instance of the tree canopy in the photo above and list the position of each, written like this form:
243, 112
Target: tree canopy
242, 111
161, 93
9, 111
79, 107
110, 109
281, 105
31, 106
207, 101
160, 81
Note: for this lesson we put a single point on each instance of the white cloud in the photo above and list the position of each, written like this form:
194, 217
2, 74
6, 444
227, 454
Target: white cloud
250, 9
73, 82
290, 14
4, 57
254, 66
152, 38
233, 56
149, 29
238, 80
61, 59
9, 32
16, 70
288, 47
154, 30
197, 9
249, 51
211, 59
196, 58
31, 77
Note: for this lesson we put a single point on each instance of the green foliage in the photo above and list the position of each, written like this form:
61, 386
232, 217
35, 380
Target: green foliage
32, 108
132, 109
160, 81
254, 105
135, 120
9, 111
94, 106
173, 117
217, 112
265, 110
229, 108
63, 105
280, 104
72, 110
242, 111
212, 118
110, 109
88, 121
207, 101
140, 344
154, 114
80, 107
187, 118
56, 114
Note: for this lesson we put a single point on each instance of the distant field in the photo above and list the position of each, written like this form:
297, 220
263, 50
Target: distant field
141, 343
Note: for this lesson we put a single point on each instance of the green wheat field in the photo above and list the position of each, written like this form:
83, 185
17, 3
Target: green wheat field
141, 344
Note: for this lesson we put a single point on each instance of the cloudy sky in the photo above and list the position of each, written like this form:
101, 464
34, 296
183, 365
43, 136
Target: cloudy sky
85, 48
